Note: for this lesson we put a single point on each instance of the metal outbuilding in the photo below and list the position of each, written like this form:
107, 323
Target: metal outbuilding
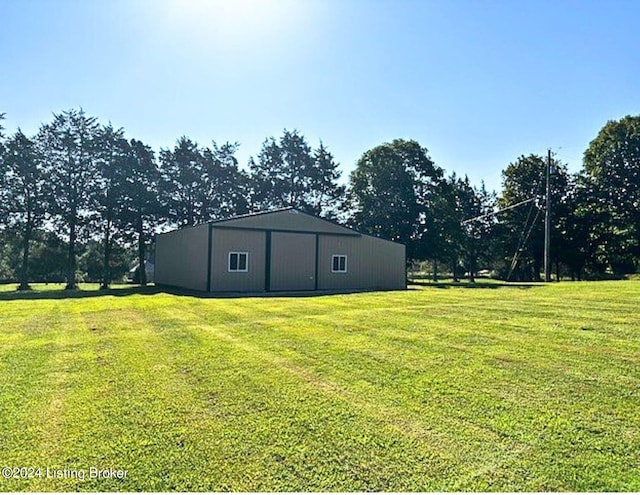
280, 250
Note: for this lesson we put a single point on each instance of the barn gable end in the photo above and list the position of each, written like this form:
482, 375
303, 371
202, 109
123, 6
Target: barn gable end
288, 219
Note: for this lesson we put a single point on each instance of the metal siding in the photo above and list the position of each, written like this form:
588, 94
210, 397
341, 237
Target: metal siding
224, 241
372, 263
298, 260
293, 261
181, 258
209, 252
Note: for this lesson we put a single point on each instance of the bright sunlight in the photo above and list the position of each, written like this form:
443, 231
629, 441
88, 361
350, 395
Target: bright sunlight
235, 22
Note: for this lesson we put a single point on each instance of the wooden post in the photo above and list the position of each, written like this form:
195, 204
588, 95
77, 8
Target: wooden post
547, 223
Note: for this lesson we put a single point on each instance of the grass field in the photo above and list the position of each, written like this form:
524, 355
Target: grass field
521, 387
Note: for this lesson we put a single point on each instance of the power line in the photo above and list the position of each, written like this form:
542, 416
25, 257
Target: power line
499, 211
523, 243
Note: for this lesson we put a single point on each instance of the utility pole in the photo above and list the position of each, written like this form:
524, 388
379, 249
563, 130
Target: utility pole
547, 223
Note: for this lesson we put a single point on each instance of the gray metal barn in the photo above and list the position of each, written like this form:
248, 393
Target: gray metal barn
280, 250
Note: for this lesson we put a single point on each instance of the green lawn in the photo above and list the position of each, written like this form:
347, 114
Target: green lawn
439, 388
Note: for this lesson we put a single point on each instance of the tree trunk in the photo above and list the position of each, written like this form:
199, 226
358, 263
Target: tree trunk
537, 266
106, 273
24, 275
557, 271
71, 261
454, 272
435, 270
142, 270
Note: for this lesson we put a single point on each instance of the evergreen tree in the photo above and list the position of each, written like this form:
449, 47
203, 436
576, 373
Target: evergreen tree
474, 209
227, 190
181, 182
4, 196
326, 197
69, 152
10, 255
25, 188
48, 262
112, 152
198, 185
141, 208
289, 173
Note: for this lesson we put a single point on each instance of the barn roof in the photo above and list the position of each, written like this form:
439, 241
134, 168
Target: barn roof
288, 219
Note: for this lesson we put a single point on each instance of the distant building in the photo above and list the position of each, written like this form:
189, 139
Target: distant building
280, 250
149, 269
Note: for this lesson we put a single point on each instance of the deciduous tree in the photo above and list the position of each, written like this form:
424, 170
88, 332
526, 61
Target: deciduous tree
612, 172
520, 231
394, 193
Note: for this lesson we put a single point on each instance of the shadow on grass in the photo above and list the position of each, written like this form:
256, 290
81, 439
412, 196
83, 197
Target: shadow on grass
46, 293
476, 285
53, 294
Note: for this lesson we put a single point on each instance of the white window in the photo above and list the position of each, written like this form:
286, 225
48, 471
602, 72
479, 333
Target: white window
238, 261
339, 263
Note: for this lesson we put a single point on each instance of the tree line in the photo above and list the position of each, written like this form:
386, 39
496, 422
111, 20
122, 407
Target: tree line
81, 201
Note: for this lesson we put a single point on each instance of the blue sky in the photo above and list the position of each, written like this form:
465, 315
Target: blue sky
478, 82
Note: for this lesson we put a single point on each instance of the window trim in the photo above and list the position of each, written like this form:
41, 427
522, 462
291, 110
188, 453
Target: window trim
239, 253
338, 256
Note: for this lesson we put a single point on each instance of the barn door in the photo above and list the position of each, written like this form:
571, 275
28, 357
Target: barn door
293, 261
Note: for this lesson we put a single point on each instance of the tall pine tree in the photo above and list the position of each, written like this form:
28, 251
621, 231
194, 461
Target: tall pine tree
141, 208
198, 185
26, 187
289, 173
112, 153
69, 148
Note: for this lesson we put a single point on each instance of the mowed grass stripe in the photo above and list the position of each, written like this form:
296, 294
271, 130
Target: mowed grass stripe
36, 375
431, 389
144, 406
133, 411
560, 396
473, 442
291, 338
284, 378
